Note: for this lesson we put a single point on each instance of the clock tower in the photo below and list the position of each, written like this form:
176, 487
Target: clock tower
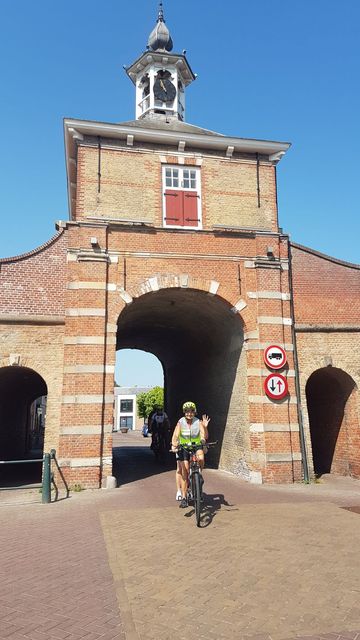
160, 76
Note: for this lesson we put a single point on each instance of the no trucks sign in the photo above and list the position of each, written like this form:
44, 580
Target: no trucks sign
275, 357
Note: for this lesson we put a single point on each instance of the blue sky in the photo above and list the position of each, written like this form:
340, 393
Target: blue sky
279, 70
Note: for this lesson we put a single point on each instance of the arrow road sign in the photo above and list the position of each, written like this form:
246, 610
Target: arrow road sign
275, 357
276, 386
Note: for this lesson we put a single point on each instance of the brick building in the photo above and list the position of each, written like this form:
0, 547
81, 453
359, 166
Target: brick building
173, 246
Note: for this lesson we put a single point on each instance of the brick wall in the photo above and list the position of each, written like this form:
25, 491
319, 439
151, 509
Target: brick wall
130, 187
327, 311
231, 197
33, 283
32, 309
39, 348
326, 290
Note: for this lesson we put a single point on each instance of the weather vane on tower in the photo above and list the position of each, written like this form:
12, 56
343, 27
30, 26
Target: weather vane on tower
160, 76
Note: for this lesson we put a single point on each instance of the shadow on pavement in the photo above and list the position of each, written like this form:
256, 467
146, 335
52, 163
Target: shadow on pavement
213, 502
132, 463
352, 509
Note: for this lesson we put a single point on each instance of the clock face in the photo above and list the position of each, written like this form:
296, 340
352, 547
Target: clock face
164, 90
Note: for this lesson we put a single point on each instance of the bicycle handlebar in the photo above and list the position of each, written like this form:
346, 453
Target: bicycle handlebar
195, 445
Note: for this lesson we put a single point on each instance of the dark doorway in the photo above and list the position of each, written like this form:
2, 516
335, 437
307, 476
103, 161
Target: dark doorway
22, 424
198, 340
330, 394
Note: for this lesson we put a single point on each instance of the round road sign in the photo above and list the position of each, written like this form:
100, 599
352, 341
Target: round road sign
275, 357
276, 386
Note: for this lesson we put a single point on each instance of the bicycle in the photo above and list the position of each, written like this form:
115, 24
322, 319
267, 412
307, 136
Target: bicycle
159, 445
196, 481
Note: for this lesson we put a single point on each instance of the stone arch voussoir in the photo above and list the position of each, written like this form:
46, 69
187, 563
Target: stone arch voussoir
186, 281
19, 360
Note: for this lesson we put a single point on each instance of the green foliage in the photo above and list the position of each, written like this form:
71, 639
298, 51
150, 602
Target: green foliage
147, 401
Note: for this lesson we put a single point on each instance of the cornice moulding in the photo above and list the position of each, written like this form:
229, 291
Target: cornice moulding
201, 140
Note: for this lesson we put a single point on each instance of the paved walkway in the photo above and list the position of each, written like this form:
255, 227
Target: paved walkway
268, 562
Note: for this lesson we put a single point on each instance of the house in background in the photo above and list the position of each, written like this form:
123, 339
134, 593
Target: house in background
126, 407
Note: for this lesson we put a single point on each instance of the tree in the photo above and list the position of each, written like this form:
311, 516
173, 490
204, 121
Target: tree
147, 401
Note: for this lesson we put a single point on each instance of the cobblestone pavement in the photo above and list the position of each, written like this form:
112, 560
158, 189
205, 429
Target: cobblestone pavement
268, 562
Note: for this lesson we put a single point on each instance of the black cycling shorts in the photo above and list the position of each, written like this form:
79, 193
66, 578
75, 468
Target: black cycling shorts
182, 454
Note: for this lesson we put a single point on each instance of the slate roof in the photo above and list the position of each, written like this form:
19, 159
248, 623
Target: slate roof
172, 125
130, 391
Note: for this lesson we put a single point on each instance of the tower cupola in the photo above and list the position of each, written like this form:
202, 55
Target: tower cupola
160, 76
159, 38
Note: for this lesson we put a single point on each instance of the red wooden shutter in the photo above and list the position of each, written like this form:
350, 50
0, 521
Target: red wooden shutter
191, 209
174, 207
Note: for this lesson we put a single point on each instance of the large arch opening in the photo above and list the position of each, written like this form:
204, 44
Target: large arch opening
136, 372
198, 340
22, 423
334, 425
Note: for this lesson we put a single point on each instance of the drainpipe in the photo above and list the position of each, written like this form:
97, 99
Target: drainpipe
103, 407
297, 374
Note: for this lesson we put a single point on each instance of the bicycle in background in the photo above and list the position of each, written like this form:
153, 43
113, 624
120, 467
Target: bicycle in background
159, 446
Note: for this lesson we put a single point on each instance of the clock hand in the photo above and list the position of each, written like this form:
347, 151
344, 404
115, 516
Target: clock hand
162, 85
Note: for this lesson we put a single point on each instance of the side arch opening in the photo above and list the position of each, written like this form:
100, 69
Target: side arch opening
23, 395
331, 396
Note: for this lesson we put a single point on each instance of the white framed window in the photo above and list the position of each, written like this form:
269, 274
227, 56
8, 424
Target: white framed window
172, 177
126, 406
125, 411
189, 179
182, 197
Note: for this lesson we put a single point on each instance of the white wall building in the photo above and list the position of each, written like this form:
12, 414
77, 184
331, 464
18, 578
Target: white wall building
126, 407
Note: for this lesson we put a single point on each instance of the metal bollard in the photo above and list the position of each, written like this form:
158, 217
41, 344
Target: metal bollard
46, 481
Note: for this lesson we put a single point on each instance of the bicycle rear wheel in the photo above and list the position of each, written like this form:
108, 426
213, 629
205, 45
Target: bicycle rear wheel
196, 491
155, 445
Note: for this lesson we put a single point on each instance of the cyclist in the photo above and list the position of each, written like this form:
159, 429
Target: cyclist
178, 480
189, 429
159, 428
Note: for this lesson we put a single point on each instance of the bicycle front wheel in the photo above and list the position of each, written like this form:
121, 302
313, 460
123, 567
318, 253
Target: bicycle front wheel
196, 491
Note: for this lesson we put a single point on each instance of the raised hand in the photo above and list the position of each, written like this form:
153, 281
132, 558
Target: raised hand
205, 420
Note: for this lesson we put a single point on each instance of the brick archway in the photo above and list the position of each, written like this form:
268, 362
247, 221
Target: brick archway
334, 424
199, 340
185, 281
20, 431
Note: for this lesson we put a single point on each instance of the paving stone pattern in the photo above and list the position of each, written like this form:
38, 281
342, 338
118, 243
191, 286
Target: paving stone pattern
256, 570
268, 563
55, 579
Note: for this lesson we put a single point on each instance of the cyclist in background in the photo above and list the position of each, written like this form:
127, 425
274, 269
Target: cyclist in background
159, 427
189, 429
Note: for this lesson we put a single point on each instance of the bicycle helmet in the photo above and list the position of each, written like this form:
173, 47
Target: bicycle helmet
189, 405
